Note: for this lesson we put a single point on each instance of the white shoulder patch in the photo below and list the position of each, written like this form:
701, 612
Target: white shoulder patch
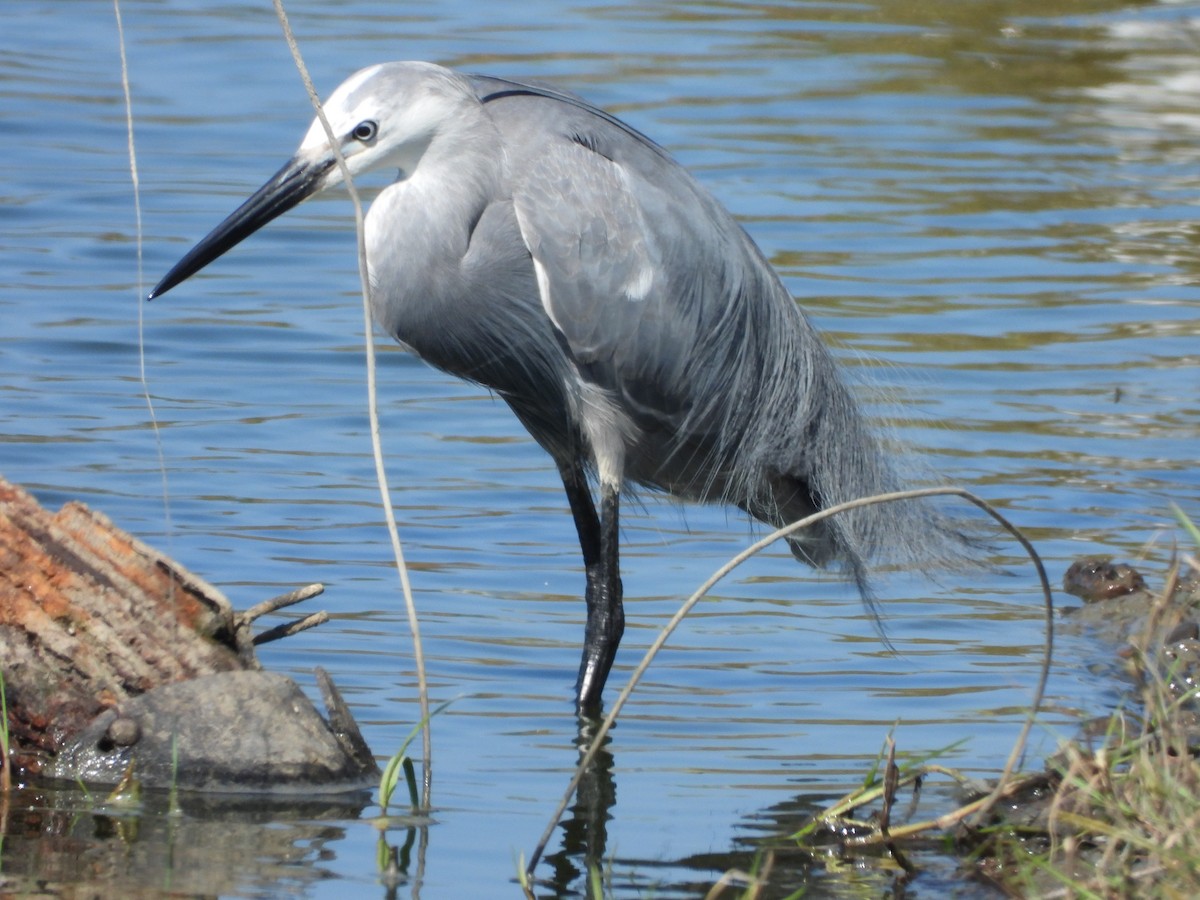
637, 287
543, 283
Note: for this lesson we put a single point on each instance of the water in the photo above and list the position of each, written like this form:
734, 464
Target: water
988, 209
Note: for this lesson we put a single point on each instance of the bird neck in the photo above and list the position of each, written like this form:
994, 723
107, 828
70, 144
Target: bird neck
459, 175
419, 228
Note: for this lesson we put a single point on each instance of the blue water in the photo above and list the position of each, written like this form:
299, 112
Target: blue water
989, 212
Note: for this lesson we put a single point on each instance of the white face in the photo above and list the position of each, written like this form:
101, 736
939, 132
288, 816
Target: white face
387, 116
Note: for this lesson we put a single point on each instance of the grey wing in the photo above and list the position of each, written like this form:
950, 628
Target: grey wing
595, 253
663, 301
639, 269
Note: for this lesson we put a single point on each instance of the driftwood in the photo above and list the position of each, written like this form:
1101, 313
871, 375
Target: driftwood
92, 621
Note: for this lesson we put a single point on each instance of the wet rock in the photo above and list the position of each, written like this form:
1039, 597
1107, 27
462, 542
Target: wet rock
1184, 631
1094, 578
227, 732
1113, 620
1181, 666
1153, 636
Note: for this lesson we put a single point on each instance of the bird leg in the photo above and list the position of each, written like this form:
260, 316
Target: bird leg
605, 614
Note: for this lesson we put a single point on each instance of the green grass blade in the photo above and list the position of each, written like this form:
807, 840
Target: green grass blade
1188, 525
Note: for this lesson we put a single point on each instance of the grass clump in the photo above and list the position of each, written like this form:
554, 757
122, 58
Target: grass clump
1124, 816
1116, 811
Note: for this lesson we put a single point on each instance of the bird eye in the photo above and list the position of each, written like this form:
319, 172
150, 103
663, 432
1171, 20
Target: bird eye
365, 131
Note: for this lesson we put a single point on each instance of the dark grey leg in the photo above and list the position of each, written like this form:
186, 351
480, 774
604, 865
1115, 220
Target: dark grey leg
605, 614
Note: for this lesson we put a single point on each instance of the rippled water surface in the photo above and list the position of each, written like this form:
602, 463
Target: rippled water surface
988, 208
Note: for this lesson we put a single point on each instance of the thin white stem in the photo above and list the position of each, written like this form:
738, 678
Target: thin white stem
372, 404
139, 287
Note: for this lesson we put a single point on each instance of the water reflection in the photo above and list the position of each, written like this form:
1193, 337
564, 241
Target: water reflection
585, 827
259, 846
63, 840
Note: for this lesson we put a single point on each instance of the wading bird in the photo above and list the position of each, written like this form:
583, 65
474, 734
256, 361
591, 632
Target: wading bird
548, 251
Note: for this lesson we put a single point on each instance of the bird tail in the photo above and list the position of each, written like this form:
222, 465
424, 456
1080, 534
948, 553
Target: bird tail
836, 458
806, 446
782, 437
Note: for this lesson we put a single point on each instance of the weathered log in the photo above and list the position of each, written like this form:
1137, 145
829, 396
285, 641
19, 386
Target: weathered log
93, 621
90, 615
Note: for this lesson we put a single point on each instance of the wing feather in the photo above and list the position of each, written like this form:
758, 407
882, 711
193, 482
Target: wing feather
596, 255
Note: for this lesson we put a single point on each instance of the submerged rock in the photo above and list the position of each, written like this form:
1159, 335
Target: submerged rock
233, 731
1156, 634
1119, 607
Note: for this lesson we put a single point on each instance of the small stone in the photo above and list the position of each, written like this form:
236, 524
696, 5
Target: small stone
1096, 578
124, 732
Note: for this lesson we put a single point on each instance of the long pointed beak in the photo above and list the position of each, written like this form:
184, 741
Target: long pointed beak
299, 179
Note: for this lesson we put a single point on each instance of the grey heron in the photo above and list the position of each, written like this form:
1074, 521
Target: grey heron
543, 248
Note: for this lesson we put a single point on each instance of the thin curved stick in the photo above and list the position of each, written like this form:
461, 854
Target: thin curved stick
1018, 747
372, 403
136, 183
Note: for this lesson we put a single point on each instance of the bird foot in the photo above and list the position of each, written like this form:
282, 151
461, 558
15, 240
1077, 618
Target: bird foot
605, 626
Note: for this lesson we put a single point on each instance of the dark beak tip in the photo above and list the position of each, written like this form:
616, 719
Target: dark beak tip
287, 188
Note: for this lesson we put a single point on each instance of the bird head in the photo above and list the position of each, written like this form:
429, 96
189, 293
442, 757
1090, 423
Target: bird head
384, 116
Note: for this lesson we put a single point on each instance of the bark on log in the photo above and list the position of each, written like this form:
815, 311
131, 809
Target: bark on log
90, 616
